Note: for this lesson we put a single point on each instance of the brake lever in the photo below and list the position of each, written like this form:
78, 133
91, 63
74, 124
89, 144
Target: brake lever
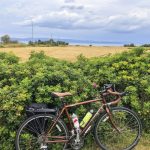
103, 91
124, 93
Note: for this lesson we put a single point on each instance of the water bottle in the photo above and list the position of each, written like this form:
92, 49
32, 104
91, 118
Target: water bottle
87, 117
77, 127
75, 121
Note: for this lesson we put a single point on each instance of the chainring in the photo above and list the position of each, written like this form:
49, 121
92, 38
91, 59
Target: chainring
76, 145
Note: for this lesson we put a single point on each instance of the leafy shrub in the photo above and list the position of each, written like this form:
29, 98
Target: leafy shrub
34, 80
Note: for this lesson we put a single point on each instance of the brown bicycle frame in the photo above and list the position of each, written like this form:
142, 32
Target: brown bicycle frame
104, 106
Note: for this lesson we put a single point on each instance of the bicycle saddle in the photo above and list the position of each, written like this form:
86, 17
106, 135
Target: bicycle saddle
64, 94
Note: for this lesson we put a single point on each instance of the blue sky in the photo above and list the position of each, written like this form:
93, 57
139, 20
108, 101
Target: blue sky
98, 20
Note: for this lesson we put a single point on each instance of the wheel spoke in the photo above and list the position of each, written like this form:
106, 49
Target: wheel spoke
109, 138
31, 135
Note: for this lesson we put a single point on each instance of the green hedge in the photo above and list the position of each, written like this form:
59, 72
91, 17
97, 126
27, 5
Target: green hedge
34, 80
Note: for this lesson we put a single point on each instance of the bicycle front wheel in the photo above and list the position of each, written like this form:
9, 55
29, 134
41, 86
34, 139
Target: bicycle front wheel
30, 135
128, 124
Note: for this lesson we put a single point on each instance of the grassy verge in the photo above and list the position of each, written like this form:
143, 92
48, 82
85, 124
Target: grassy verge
144, 144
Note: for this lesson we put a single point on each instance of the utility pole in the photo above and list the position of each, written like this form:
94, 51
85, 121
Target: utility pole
51, 36
32, 30
51, 39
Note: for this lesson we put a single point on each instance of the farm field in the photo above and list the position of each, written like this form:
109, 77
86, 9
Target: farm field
66, 53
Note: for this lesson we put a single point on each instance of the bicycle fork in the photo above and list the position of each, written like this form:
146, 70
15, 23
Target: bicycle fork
110, 117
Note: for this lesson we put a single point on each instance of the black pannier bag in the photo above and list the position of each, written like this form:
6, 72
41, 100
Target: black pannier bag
40, 108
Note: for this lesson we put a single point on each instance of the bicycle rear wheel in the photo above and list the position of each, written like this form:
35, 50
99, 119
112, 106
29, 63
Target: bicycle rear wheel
30, 135
129, 125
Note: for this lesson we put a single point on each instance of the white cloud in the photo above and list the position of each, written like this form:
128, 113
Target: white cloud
112, 16
131, 21
79, 18
72, 7
69, 1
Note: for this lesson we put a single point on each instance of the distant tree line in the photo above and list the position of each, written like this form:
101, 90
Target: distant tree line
50, 42
129, 45
133, 45
5, 39
146, 45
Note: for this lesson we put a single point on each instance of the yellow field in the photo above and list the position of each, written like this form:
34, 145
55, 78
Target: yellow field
66, 53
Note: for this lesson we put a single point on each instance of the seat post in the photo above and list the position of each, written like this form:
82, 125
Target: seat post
62, 100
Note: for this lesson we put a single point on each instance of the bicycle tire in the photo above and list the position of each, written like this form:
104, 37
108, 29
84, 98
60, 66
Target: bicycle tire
34, 128
129, 125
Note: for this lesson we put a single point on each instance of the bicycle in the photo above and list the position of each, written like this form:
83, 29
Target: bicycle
114, 128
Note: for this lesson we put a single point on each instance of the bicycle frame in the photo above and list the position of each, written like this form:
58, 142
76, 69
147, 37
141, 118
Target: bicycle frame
42, 130
84, 131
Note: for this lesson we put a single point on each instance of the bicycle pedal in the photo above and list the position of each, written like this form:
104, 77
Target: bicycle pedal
68, 148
